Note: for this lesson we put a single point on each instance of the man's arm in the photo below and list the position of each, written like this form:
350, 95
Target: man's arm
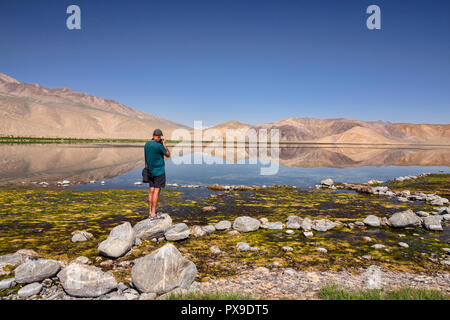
167, 154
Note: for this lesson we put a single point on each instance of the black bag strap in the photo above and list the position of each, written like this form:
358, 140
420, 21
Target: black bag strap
145, 156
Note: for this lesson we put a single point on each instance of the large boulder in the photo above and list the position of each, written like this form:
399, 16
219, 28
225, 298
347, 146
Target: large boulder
80, 280
403, 219
323, 225
35, 271
119, 241
223, 225
148, 229
372, 221
246, 224
163, 270
179, 231
433, 223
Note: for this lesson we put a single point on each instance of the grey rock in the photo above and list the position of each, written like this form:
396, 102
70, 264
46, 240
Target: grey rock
378, 246
372, 277
197, 231
80, 280
179, 231
322, 250
403, 245
30, 290
308, 234
209, 209
223, 225
432, 223
289, 272
372, 221
81, 236
246, 224
274, 226
215, 250
287, 249
209, 228
422, 214
446, 216
163, 270
289, 231
7, 283
148, 296
306, 224
121, 286
11, 259
82, 260
119, 241
35, 271
263, 220
148, 229
293, 222
323, 225
403, 219
243, 246
327, 182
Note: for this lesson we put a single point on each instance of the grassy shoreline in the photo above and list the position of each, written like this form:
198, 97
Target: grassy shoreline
47, 140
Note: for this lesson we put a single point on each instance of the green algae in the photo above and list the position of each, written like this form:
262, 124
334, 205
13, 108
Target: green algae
43, 219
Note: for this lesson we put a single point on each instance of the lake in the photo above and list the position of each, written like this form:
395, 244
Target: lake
120, 165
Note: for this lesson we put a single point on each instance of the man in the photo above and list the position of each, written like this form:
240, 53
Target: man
154, 151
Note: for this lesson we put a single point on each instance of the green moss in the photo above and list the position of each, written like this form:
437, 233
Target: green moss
43, 219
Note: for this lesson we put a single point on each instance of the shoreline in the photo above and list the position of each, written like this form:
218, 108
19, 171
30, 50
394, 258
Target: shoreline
286, 256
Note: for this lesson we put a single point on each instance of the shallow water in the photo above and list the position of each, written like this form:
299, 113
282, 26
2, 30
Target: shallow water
299, 165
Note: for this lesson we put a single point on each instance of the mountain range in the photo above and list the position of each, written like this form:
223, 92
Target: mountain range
35, 111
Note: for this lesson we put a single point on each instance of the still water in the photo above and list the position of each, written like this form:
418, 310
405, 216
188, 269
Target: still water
119, 166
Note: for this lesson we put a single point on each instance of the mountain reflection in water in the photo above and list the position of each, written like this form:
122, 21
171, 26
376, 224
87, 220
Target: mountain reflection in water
22, 164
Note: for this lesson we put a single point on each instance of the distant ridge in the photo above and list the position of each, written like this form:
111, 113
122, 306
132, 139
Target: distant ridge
352, 131
37, 111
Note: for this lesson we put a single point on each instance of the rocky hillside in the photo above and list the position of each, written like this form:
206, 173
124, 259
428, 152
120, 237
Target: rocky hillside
34, 110
353, 131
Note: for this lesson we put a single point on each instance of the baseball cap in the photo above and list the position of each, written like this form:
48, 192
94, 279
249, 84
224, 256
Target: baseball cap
157, 132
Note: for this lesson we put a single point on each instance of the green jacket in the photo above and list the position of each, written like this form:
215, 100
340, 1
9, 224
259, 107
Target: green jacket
154, 158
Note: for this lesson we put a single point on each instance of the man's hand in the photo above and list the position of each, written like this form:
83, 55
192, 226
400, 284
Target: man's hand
165, 147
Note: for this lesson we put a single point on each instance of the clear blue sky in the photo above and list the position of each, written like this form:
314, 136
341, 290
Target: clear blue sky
252, 61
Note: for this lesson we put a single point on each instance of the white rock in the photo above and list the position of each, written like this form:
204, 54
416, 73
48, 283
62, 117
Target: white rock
119, 241
29, 290
163, 270
179, 231
148, 229
35, 271
246, 224
80, 280
223, 225
7, 283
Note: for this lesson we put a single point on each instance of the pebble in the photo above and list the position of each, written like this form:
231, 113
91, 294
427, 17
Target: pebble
403, 244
